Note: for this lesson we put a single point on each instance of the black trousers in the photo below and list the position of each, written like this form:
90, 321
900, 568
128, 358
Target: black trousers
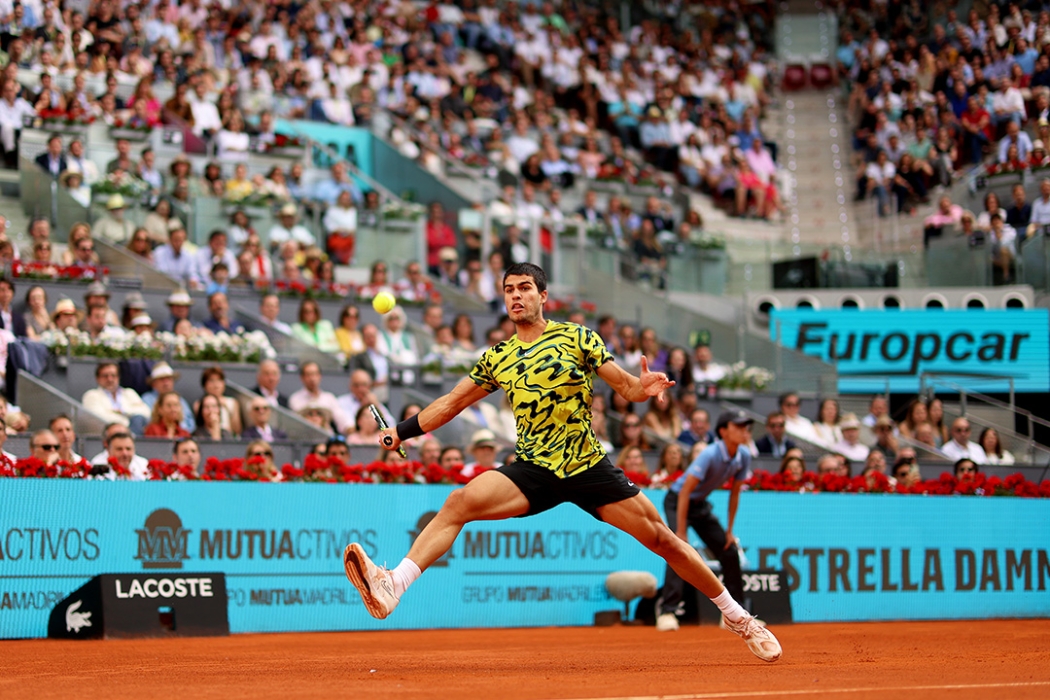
710, 530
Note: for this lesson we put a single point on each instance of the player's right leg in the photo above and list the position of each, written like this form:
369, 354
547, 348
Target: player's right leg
491, 496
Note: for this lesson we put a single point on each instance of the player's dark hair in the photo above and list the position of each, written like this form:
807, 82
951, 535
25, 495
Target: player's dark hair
529, 270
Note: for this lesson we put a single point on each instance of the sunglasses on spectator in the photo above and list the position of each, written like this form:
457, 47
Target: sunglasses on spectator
47, 448
88, 248
261, 454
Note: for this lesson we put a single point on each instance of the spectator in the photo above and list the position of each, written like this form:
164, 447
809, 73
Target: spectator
360, 394
209, 420
213, 381
220, 321
44, 446
311, 394
849, 445
187, 453
1020, 213
631, 433
483, 449
797, 424
259, 414
913, 416
73, 183
414, 286
167, 418
347, 335
439, 236
314, 330
1040, 208
287, 230
935, 417
669, 467
267, 383
366, 430
162, 381
112, 227
1015, 137
36, 318
662, 419
775, 442
947, 214
906, 471
398, 345
179, 305
327, 190
879, 180
877, 407
270, 312
1003, 241
793, 468
960, 446
113, 403
52, 161
885, 440
258, 461
215, 252
65, 315
826, 426
119, 448
174, 260
705, 369
139, 245
340, 224
993, 448
62, 428
13, 110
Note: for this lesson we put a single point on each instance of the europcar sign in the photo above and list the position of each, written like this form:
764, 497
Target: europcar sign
980, 350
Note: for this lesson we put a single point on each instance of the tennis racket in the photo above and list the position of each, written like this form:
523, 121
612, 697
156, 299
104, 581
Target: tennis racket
381, 422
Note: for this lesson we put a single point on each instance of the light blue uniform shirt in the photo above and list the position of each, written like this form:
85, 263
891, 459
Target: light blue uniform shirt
713, 467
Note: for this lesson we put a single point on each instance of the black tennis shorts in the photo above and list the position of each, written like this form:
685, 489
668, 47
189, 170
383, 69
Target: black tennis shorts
602, 484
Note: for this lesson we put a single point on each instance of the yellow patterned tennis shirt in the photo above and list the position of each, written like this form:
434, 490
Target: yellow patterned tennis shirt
548, 383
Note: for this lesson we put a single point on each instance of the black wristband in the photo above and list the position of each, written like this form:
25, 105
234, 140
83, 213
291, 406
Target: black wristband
409, 428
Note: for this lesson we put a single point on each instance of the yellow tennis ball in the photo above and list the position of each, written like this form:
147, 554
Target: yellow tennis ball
384, 302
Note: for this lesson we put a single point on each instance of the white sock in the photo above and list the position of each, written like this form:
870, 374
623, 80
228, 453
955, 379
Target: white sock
729, 607
405, 573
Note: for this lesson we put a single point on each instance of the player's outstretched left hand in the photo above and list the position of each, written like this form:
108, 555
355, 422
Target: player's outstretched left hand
653, 383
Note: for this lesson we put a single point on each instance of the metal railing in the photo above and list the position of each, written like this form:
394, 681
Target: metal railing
930, 381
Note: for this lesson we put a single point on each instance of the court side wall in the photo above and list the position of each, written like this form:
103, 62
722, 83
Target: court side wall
846, 557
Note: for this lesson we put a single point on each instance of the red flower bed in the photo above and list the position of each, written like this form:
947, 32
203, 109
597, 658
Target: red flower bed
946, 485
61, 273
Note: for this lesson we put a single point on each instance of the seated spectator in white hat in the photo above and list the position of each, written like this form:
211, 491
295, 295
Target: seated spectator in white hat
162, 380
179, 304
850, 444
113, 227
483, 449
287, 230
114, 403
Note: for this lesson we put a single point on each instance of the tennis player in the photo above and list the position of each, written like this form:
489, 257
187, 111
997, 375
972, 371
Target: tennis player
546, 369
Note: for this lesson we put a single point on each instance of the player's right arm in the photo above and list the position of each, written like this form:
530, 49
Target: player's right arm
442, 410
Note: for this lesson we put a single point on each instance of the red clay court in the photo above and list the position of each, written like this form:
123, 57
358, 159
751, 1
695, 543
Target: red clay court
1002, 659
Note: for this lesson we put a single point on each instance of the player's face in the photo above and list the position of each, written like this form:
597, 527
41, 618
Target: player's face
524, 301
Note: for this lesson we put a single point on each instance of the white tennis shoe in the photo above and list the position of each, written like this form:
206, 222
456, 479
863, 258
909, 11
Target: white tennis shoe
374, 583
667, 622
759, 640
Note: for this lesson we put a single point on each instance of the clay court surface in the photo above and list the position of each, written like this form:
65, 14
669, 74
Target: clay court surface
1001, 659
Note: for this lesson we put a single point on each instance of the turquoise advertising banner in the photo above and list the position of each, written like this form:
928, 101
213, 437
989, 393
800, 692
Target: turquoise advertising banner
979, 350
845, 556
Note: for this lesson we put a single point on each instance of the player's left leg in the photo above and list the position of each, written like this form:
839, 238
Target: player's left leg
638, 517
